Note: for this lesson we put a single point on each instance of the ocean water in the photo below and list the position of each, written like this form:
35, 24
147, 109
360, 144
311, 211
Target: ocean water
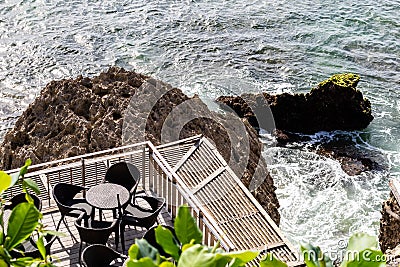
211, 48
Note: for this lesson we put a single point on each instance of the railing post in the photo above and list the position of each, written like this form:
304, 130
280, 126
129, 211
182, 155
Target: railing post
144, 162
48, 190
83, 176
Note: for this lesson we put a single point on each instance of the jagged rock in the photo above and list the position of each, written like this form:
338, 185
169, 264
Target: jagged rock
389, 234
73, 117
335, 104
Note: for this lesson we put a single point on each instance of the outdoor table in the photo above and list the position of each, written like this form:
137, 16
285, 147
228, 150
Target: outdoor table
104, 196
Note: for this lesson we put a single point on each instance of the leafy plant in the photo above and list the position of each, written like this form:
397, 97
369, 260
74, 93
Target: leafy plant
187, 250
23, 221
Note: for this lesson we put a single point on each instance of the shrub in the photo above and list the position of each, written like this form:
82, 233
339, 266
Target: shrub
23, 221
187, 250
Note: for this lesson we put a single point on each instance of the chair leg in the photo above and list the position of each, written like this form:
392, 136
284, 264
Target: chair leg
80, 252
122, 232
116, 237
59, 223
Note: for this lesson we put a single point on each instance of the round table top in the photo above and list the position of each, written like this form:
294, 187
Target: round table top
104, 196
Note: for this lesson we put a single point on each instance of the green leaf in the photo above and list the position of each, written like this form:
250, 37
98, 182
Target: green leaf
186, 228
368, 258
269, 260
14, 177
186, 246
23, 221
28, 182
166, 240
147, 251
197, 256
166, 264
22, 262
357, 243
133, 252
143, 262
5, 181
41, 248
244, 256
313, 256
55, 233
362, 241
24, 168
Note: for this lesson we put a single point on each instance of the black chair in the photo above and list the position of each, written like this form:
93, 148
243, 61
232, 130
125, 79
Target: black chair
136, 215
64, 195
124, 174
20, 198
30, 249
96, 232
150, 237
100, 256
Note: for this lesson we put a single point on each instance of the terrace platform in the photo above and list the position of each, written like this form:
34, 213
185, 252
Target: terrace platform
187, 171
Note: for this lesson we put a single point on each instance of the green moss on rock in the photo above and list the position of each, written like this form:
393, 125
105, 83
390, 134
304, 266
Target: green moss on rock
343, 80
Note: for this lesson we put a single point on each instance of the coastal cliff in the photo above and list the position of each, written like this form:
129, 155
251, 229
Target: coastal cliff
76, 116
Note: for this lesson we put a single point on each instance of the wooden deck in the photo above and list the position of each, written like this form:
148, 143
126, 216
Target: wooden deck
188, 171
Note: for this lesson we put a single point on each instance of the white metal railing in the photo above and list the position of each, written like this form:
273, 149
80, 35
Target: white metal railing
157, 177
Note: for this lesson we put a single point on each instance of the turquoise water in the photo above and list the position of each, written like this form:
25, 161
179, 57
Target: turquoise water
211, 48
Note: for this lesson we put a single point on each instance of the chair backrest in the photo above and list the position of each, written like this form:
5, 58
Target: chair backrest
150, 237
62, 193
36, 253
31, 249
99, 255
97, 232
156, 204
125, 174
20, 198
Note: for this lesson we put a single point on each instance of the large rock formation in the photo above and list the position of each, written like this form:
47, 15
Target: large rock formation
335, 104
72, 117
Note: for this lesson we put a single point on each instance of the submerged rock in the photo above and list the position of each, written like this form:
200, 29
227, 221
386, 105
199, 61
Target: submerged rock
76, 116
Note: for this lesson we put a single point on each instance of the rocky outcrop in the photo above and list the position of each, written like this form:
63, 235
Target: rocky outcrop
335, 104
389, 234
77, 116
71, 117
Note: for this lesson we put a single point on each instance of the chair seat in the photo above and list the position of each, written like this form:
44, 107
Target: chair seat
99, 224
137, 212
78, 204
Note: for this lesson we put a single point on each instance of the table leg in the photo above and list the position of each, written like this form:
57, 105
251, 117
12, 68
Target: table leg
100, 215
